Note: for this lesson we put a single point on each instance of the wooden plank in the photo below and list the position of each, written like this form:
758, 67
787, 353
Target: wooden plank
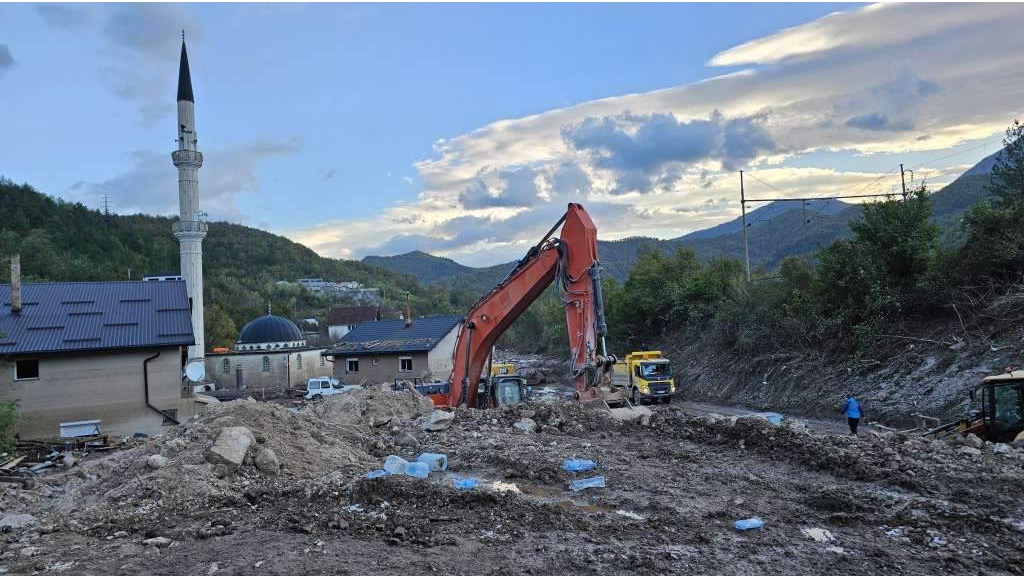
12, 463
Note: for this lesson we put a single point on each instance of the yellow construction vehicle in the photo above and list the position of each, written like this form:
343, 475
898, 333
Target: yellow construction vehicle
503, 369
645, 375
1001, 418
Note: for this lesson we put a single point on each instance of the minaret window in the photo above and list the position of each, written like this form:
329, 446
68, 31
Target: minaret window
266, 363
227, 366
298, 362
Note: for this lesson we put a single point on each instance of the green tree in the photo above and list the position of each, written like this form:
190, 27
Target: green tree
219, 327
8, 420
1007, 182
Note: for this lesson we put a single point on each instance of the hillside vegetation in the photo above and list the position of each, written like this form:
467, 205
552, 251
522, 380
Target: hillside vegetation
64, 241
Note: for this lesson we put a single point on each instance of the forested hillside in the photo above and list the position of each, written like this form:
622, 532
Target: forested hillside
64, 241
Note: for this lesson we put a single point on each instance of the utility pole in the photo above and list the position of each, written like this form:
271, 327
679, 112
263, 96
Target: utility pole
903, 179
743, 211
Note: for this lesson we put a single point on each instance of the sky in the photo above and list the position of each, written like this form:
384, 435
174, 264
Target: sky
463, 130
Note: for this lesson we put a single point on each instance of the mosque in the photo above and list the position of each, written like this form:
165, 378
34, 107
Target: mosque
270, 351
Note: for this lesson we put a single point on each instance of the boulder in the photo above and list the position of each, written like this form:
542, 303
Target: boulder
15, 521
267, 462
973, 441
156, 461
159, 542
1001, 449
525, 425
439, 420
636, 413
969, 451
231, 446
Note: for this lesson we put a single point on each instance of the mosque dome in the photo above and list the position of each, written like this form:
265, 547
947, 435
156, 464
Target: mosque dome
271, 329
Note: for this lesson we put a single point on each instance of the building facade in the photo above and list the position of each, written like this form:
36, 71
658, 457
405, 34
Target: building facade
270, 354
343, 319
107, 351
385, 350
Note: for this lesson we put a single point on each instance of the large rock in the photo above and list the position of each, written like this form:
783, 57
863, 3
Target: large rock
973, 441
159, 542
267, 462
15, 521
525, 425
1001, 449
640, 414
439, 420
969, 451
156, 461
231, 446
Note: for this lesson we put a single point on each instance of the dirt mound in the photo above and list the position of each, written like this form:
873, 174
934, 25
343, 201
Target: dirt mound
372, 407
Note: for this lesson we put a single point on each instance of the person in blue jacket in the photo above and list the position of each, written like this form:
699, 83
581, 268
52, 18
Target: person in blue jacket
853, 413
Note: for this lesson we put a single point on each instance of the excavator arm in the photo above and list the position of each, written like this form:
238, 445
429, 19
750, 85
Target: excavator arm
570, 261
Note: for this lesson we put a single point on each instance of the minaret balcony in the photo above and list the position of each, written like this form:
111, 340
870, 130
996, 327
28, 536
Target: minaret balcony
187, 227
188, 158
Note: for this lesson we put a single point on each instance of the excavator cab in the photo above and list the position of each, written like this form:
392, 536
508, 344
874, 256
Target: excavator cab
1002, 407
498, 391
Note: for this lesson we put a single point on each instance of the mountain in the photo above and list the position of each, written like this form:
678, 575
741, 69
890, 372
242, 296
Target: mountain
774, 231
426, 267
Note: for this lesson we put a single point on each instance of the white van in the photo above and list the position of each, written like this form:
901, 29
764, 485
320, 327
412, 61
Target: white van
317, 388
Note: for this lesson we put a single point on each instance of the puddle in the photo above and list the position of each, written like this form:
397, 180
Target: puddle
558, 498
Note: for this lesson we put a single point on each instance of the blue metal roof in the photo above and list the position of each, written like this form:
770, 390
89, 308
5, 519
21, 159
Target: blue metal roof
388, 336
89, 316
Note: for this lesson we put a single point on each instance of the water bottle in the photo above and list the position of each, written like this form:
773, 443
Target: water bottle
754, 523
584, 483
571, 465
437, 462
395, 465
466, 483
417, 469
373, 474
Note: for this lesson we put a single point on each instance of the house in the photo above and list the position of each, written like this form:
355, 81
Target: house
382, 350
271, 353
342, 319
107, 351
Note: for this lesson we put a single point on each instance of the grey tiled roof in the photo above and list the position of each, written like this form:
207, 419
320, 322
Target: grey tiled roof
86, 316
389, 336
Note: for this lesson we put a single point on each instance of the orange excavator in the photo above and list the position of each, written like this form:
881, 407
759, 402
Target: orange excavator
570, 262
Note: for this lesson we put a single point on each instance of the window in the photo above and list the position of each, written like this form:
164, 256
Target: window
226, 366
26, 369
298, 361
266, 363
374, 361
405, 364
169, 417
352, 365
322, 361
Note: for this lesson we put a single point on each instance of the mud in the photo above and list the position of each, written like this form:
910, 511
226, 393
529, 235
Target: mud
674, 489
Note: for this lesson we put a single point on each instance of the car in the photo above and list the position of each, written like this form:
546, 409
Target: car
317, 388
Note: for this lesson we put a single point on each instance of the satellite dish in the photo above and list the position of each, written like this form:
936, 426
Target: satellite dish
195, 371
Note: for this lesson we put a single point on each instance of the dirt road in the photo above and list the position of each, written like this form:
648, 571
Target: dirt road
674, 489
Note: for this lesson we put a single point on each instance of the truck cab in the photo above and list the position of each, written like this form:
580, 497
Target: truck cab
645, 376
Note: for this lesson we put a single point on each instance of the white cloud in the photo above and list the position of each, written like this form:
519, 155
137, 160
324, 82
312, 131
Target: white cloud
892, 78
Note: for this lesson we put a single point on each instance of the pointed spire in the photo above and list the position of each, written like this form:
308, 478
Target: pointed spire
184, 78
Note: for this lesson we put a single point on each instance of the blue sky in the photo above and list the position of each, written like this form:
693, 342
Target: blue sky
462, 129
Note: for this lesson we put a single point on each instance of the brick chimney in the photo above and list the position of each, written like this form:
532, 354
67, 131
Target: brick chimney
16, 284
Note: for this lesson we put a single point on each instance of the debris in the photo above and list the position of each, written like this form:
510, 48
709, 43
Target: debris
818, 534
584, 483
1001, 449
395, 464
120, 534
417, 469
525, 425
158, 542
465, 483
439, 420
630, 515
631, 414
267, 462
773, 417
573, 465
374, 474
754, 523
231, 446
437, 462
156, 461
28, 551
969, 451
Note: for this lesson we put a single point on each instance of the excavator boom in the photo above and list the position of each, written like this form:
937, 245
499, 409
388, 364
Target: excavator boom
571, 262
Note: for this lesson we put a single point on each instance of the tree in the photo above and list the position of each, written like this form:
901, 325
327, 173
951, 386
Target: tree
219, 327
1007, 182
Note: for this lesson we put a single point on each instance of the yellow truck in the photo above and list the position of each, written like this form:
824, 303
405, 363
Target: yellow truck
503, 369
645, 375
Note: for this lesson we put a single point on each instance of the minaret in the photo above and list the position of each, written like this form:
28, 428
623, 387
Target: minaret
190, 228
